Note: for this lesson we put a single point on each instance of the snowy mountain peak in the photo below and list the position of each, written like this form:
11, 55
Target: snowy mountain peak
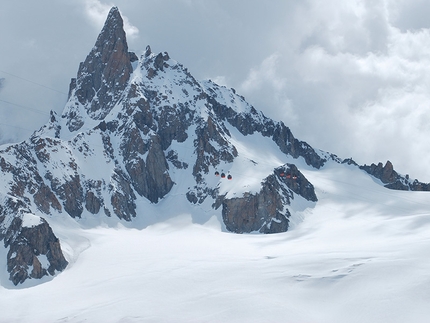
141, 140
102, 77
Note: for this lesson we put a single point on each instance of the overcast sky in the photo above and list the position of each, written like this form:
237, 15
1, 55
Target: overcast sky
350, 77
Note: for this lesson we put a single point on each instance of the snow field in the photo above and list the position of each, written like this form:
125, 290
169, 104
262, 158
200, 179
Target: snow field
359, 256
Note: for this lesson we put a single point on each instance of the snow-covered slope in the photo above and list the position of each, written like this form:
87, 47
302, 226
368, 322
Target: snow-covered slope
360, 255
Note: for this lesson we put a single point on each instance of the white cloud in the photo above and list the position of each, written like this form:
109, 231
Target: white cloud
354, 83
267, 79
96, 11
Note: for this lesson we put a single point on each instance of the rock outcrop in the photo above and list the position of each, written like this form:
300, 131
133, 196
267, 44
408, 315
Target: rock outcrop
150, 178
33, 253
254, 121
34, 250
104, 74
266, 211
392, 180
212, 147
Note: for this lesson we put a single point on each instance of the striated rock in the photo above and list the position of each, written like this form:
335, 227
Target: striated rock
284, 138
133, 146
159, 181
92, 203
348, 161
385, 173
172, 156
266, 211
392, 179
263, 212
151, 178
208, 134
122, 196
253, 121
296, 181
34, 250
93, 195
71, 193
419, 186
31, 250
103, 76
44, 199
172, 124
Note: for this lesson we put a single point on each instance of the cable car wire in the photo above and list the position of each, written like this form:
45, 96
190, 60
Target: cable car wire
33, 82
11, 126
24, 107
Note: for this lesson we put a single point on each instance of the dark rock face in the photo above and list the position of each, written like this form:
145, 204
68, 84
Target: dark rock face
103, 76
92, 203
385, 173
72, 194
284, 138
260, 212
296, 181
249, 123
151, 179
392, 179
93, 195
122, 196
173, 123
27, 249
44, 199
34, 251
266, 211
158, 179
208, 134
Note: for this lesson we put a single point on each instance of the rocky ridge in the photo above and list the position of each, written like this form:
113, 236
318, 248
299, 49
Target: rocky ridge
392, 180
135, 129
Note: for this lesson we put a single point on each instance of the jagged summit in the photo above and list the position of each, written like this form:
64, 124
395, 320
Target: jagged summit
102, 76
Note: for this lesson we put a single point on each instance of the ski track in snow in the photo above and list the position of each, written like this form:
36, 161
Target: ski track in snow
360, 255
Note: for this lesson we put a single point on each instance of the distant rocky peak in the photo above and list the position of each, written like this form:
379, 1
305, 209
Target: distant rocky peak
112, 37
148, 51
155, 63
103, 76
50, 129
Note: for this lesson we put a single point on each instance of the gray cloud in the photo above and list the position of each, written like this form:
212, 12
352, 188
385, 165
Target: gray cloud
355, 85
348, 77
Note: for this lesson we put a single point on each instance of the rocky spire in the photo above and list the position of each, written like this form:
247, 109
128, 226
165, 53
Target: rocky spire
104, 74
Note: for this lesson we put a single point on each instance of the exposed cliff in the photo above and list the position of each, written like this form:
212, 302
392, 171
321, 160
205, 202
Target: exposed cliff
267, 211
392, 179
